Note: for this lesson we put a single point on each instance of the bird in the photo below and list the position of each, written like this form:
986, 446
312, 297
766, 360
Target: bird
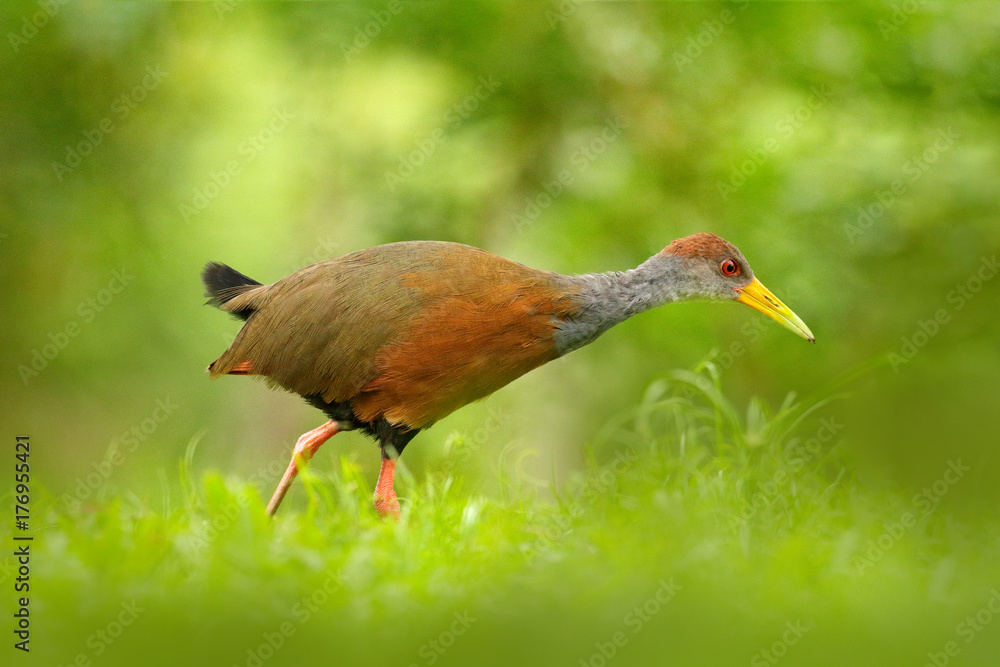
391, 339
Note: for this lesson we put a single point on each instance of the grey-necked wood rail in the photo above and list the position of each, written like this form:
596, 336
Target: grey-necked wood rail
391, 339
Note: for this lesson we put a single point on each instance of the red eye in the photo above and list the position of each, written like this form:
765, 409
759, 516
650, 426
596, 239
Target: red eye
729, 267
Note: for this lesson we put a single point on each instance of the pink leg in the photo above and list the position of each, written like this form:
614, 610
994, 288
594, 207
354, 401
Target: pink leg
304, 449
385, 497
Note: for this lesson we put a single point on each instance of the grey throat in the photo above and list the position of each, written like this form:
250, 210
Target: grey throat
610, 298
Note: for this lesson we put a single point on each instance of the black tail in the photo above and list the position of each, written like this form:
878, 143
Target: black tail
223, 283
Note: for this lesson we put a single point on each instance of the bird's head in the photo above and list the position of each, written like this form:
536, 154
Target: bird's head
713, 268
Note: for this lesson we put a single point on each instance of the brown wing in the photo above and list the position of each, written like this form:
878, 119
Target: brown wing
318, 330
408, 331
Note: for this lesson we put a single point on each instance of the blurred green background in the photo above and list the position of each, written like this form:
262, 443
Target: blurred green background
851, 151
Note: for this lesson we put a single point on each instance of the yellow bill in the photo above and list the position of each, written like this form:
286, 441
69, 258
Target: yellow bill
760, 298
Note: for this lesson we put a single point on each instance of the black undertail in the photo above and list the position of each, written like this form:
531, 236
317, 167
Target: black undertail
392, 439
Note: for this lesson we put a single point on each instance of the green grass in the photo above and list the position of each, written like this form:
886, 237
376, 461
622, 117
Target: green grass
693, 534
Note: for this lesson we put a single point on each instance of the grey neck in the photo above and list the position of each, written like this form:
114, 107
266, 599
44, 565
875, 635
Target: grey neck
610, 298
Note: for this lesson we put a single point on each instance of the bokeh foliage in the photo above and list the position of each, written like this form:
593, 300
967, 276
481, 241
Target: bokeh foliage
803, 133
